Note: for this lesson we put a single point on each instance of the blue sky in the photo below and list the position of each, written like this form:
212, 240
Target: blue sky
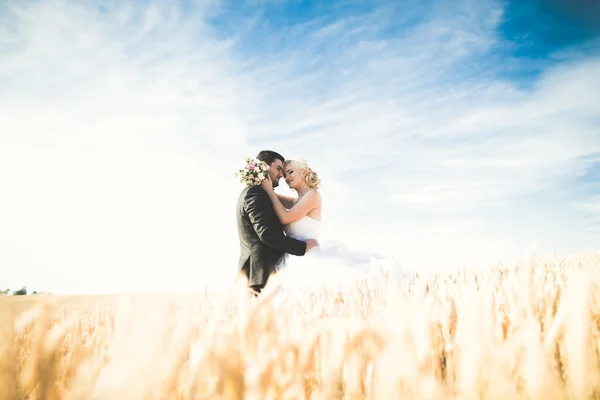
447, 133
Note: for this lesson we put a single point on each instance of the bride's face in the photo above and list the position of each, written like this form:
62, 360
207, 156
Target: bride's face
293, 177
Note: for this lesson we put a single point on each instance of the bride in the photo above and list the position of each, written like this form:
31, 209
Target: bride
329, 265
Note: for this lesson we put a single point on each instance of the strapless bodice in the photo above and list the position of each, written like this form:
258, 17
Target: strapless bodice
303, 229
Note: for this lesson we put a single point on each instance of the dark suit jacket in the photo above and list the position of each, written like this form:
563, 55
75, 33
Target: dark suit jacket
262, 240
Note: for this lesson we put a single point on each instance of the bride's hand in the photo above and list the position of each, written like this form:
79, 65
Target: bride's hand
267, 184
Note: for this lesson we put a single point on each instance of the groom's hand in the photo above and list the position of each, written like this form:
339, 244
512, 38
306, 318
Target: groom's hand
310, 243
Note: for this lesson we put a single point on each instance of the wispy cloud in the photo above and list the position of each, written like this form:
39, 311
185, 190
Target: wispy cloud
591, 208
470, 140
592, 205
123, 122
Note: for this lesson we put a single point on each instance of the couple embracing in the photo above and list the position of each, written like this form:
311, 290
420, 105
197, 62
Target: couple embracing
280, 234
268, 223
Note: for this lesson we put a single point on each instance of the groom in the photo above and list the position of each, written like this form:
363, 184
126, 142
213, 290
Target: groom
262, 240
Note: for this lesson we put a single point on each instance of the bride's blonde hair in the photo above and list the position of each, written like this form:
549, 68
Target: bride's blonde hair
311, 178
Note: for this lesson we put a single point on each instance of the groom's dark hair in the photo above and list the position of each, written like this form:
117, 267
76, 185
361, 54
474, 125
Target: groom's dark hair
269, 156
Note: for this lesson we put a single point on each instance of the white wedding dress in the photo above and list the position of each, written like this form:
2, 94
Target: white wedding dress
330, 265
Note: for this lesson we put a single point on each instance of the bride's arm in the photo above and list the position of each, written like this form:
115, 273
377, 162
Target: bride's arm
287, 201
306, 204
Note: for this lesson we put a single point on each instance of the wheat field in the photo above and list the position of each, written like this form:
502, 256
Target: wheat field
528, 331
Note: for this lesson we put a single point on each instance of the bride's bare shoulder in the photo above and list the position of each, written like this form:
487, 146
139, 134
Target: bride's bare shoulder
316, 193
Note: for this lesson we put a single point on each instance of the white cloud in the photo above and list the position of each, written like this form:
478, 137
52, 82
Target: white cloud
591, 208
488, 153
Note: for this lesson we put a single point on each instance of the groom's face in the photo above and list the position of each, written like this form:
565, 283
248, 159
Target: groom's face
276, 171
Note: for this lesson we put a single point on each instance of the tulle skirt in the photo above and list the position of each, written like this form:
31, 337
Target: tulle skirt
333, 268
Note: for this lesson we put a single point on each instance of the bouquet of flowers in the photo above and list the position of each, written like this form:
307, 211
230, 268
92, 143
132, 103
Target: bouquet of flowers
253, 172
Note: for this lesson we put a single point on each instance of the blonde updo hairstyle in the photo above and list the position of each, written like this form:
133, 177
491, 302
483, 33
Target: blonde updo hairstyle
311, 178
